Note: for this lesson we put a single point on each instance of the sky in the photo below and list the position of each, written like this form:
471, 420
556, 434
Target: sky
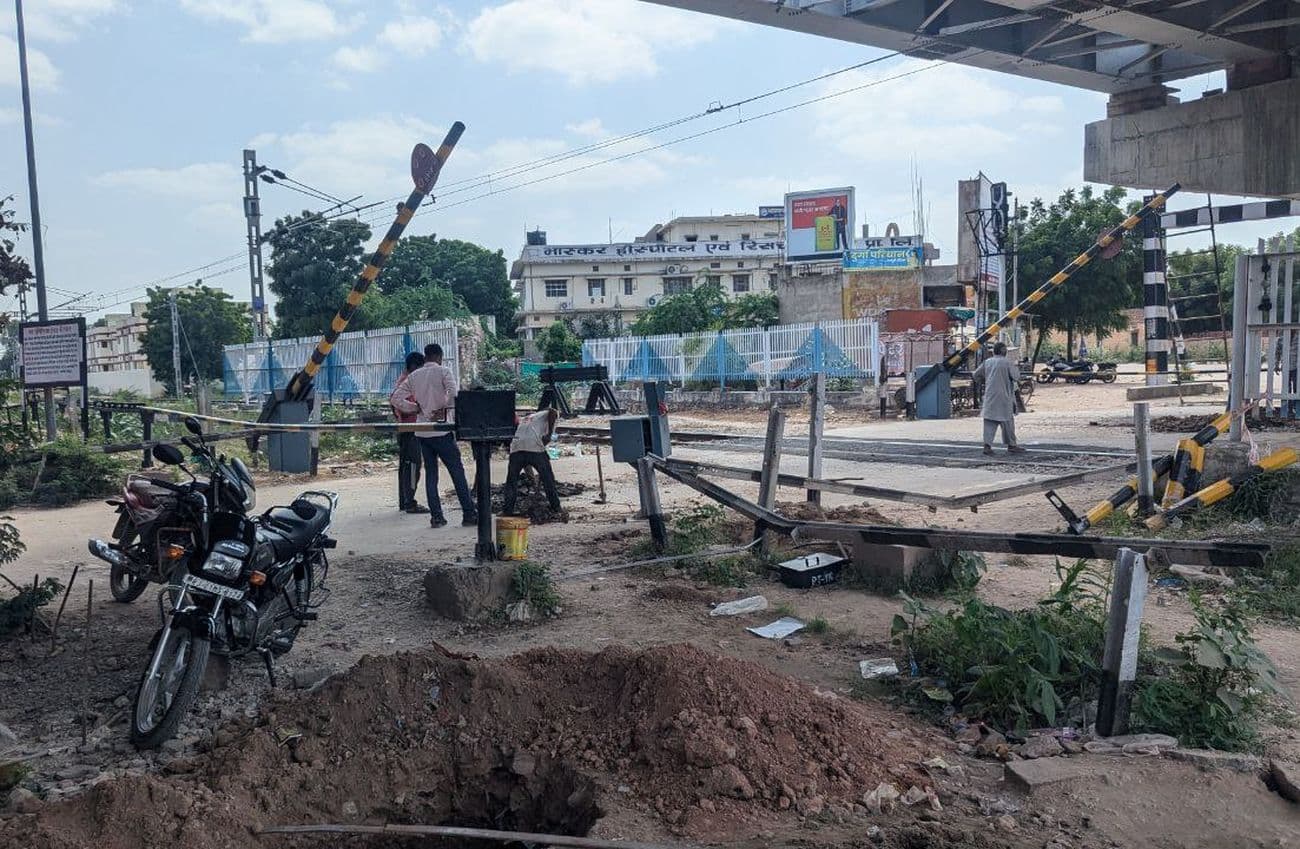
143, 108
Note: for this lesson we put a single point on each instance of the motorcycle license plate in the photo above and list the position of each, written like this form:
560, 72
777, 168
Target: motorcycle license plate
213, 588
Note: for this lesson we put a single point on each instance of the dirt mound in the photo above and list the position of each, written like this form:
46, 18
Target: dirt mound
680, 593
529, 742
531, 500
849, 514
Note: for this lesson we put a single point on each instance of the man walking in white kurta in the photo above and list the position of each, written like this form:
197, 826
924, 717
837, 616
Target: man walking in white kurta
1000, 378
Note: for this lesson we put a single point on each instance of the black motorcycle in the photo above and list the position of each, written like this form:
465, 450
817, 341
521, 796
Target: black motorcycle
156, 524
247, 586
1076, 371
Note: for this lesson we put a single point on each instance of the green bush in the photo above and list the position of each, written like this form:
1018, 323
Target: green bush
17, 611
1275, 589
533, 583
1020, 668
75, 473
1209, 691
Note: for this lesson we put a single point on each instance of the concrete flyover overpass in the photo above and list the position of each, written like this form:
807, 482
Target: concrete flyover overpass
1243, 141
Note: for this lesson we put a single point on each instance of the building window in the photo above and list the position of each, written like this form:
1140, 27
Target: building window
627, 268
714, 279
771, 281
629, 285
744, 236
740, 264
596, 287
676, 285
740, 282
595, 268
715, 265
557, 288
691, 238
713, 237
769, 235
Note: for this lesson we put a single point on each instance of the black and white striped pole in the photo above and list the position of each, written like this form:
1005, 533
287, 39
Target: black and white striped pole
1155, 301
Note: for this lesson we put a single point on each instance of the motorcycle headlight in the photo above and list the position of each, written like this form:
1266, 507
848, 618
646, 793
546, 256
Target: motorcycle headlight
226, 560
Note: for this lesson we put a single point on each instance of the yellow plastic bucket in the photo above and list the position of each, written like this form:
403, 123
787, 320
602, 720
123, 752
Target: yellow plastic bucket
512, 538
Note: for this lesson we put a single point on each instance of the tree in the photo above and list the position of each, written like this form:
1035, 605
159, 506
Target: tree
559, 345
14, 270
313, 265
598, 325
758, 309
209, 318
476, 274
688, 312
1094, 298
431, 302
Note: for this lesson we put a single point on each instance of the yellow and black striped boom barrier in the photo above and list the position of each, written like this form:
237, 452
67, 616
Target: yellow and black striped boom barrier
954, 362
1220, 490
1160, 467
426, 165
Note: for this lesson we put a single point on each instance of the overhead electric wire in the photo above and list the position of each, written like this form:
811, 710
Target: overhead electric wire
471, 183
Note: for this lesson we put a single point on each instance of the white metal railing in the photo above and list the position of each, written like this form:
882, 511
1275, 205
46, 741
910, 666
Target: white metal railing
362, 363
1266, 331
847, 348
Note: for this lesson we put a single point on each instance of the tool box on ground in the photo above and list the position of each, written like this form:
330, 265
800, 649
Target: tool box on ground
811, 570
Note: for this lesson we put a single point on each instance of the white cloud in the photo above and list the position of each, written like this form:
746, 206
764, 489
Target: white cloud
946, 113
41, 70
202, 181
362, 60
585, 41
62, 20
591, 128
275, 21
412, 35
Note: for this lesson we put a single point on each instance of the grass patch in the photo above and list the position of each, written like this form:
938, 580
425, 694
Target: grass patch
819, 626
1274, 590
533, 583
18, 610
1021, 668
1212, 688
693, 533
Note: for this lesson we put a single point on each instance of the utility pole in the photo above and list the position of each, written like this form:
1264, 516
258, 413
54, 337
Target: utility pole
176, 341
38, 254
253, 215
1015, 268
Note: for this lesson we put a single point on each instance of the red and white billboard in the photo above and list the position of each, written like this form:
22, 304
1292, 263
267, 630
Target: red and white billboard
818, 225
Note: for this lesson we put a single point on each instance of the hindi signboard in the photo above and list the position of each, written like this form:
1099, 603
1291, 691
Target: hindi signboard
818, 224
668, 251
53, 352
879, 258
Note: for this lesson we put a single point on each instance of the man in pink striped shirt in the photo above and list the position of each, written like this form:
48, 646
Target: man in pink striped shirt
430, 393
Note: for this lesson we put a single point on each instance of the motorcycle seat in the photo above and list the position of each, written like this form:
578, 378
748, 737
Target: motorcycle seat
291, 529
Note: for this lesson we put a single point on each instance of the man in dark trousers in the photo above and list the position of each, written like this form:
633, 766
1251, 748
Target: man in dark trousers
408, 450
528, 448
841, 216
431, 395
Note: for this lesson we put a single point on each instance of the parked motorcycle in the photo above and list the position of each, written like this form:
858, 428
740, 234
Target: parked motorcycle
246, 585
1076, 371
156, 524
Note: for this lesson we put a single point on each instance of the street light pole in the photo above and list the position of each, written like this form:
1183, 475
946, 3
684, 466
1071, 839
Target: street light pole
38, 254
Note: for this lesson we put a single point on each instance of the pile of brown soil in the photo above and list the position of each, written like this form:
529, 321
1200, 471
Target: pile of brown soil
529, 742
531, 500
849, 514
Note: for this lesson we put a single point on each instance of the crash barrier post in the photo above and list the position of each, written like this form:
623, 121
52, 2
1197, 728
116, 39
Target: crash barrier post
648, 489
771, 468
1159, 468
1189, 462
426, 165
816, 425
1142, 442
1221, 489
1123, 627
953, 362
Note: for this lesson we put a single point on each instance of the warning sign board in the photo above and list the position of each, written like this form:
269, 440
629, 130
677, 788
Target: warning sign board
53, 352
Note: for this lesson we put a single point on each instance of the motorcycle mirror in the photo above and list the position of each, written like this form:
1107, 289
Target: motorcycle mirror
168, 455
193, 426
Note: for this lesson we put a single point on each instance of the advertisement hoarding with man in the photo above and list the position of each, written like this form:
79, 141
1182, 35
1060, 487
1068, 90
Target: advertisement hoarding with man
818, 224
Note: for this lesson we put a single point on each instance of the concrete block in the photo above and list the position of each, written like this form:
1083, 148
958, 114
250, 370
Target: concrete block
1043, 772
1223, 459
1212, 759
469, 591
1286, 780
1170, 390
892, 567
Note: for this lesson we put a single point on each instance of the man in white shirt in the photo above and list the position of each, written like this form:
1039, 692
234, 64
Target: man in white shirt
528, 448
430, 393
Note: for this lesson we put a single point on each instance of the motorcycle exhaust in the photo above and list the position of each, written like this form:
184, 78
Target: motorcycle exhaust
107, 553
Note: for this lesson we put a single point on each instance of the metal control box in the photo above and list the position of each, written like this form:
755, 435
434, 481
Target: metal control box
630, 437
288, 452
934, 400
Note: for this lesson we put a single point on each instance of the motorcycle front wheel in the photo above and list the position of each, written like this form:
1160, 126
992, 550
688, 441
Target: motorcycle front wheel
168, 687
1107, 377
122, 584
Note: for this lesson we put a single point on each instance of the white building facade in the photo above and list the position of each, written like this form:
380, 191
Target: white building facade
115, 358
741, 253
